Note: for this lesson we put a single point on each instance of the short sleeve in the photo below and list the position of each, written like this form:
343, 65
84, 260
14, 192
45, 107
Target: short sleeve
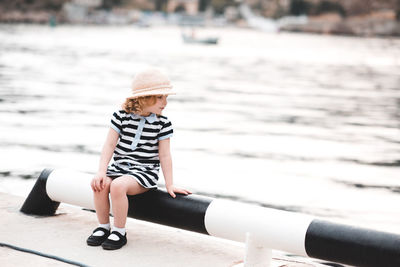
166, 130
116, 121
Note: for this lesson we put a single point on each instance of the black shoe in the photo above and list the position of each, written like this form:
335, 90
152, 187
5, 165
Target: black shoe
111, 244
98, 240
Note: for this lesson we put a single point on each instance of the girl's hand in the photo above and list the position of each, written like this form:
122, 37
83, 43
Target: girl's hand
172, 190
98, 182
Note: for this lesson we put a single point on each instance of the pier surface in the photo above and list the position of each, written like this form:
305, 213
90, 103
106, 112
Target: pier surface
64, 235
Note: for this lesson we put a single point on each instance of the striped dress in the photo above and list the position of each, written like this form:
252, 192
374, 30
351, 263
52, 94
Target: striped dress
136, 153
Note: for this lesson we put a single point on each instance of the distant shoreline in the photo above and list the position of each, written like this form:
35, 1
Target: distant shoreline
376, 24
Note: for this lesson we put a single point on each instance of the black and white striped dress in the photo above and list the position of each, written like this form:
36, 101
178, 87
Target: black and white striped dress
136, 153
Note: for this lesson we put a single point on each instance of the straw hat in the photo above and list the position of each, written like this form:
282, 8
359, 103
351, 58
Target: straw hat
151, 82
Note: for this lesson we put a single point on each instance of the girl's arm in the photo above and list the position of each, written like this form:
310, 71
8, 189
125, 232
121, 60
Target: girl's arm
166, 166
106, 154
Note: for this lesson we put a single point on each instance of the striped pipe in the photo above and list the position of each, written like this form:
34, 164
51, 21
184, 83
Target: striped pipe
287, 231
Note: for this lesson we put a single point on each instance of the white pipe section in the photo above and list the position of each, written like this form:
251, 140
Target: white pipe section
276, 229
70, 187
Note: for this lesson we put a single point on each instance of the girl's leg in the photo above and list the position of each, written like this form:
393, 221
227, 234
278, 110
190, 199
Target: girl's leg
102, 203
102, 206
120, 188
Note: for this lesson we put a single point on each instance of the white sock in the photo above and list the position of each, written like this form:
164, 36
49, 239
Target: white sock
114, 237
101, 233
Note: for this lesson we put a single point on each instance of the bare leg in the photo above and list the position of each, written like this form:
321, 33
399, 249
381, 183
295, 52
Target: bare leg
102, 203
120, 187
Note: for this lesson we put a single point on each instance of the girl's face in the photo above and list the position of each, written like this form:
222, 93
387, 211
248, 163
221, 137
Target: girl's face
157, 108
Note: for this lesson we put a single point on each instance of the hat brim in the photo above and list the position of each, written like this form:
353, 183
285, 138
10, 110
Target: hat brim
159, 91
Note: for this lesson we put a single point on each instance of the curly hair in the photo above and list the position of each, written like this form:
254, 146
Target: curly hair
136, 105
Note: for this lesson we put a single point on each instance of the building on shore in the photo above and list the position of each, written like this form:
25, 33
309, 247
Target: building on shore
190, 7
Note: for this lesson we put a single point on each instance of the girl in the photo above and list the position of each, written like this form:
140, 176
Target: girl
139, 140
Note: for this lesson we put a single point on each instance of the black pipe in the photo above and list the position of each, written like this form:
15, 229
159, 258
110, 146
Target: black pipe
157, 206
38, 202
352, 245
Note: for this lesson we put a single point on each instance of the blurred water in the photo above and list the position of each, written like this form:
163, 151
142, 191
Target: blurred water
299, 122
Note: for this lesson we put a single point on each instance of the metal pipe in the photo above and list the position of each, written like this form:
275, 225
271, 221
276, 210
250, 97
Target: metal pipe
270, 228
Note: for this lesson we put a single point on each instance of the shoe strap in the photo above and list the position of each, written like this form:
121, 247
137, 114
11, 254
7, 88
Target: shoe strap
117, 234
105, 231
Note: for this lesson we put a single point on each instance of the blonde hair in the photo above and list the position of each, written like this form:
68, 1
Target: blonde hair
136, 105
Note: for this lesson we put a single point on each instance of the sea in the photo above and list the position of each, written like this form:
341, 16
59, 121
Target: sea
293, 121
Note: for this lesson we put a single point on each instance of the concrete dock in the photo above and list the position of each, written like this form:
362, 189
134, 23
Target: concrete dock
64, 235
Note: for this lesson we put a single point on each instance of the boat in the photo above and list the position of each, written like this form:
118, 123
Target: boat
194, 40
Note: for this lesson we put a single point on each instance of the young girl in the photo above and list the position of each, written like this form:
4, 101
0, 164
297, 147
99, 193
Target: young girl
139, 140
